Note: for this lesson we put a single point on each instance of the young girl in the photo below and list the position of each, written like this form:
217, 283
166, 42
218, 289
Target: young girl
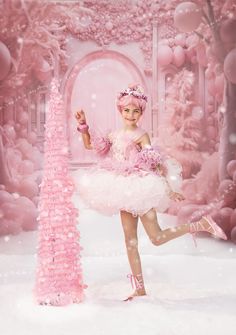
134, 179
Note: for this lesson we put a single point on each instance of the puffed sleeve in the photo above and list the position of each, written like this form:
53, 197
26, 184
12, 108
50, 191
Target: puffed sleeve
101, 143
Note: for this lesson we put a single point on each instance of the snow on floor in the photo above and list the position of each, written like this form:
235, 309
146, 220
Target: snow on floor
190, 291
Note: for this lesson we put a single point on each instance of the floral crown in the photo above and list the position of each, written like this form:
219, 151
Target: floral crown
135, 90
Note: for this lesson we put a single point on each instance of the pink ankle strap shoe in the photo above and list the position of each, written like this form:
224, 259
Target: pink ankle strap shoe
198, 226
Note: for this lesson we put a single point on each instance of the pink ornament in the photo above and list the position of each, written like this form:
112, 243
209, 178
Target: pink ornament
179, 56
5, 61
231, 168
180, 40
164, 55
230, 66
187, 16
228, 31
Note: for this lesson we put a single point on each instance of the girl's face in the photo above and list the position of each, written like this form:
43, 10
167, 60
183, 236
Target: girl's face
131, 115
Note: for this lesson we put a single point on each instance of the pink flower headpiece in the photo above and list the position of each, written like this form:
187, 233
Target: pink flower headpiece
135, 90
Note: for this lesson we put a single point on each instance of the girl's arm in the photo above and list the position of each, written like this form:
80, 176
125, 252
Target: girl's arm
80, 116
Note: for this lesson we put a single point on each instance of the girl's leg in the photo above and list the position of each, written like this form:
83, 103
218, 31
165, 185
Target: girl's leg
130, 224
156, 234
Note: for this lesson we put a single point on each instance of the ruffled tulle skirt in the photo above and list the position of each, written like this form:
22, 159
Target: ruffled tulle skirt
108, 192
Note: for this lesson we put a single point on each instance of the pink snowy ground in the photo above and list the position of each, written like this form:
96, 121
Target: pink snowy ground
191, 291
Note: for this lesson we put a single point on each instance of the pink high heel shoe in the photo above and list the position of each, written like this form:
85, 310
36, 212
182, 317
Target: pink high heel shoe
136, 282
198, 226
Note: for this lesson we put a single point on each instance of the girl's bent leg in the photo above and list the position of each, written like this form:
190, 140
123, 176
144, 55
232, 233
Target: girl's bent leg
156, 234
130, 224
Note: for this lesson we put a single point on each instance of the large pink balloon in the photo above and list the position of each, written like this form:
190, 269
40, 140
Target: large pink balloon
228, 31
5, 61
164, 55
187, 16
231, 167
179, 56
230, 66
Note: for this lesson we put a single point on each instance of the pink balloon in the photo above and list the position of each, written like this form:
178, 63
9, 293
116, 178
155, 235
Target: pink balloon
5, 197
233, 235
227, 191
180, 40
189, 213
28, 188
164, 55
219, 83
179, 56
25, 202
234, 176
187, 16
5, 61
10, 210
23, 146
227, 31
209, 73
231, 168
230, 66
29, 221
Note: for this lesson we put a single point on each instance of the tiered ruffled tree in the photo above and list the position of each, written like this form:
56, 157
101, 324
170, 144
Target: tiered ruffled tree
59, 274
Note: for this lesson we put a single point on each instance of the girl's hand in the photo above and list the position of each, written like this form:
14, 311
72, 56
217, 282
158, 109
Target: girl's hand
80, 116
176, 196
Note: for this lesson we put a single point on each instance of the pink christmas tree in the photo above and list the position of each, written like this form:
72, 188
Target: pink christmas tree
59, 274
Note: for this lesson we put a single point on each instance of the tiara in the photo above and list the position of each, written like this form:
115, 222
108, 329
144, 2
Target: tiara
136, 91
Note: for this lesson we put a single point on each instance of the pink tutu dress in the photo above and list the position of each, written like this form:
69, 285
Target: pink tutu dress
127, 177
